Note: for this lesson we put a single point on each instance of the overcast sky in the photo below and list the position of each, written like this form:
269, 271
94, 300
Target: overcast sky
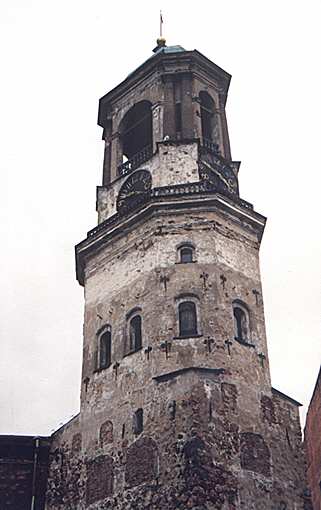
57, 58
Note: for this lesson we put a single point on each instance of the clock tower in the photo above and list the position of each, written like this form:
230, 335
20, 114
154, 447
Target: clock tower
177, 409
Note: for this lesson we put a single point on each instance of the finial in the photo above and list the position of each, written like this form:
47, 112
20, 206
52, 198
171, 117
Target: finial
161, 41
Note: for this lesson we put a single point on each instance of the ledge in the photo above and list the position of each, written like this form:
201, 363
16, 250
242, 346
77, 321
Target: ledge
184, 337
167, 200
132, 352
100, 369
244, 342
176, 373
184, 263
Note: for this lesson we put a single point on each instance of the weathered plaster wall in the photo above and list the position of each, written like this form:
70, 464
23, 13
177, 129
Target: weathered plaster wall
214, 436
172, 164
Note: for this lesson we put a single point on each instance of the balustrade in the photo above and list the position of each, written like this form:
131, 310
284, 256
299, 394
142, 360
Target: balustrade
138, 159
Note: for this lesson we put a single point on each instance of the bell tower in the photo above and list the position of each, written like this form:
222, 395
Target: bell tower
177, 409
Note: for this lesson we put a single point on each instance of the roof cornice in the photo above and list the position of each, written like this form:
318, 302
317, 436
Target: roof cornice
164, 64
163, 203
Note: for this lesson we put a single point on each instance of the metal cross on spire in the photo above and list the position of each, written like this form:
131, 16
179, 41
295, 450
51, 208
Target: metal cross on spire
161, 41
161, 21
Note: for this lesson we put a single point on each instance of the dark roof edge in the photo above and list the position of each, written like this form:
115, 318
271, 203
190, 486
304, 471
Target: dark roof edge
65, 424
286, 397
23, 437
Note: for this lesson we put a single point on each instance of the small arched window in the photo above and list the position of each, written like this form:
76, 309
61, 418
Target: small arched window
207, 116
135, 333
187, 319
241, 322
104, 349
186, 254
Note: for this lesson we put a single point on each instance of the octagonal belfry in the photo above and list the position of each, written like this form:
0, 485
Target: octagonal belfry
177, 409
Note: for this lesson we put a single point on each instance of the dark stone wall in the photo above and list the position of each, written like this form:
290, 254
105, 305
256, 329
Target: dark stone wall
312, 437
201, 457
23, 475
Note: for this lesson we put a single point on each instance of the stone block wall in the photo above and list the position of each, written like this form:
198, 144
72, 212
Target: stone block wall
214, 435
195, 452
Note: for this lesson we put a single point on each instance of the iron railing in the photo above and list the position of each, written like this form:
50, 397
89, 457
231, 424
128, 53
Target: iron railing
138, 159
211, 146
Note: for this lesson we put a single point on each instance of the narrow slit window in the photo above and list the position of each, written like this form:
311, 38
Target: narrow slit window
135, 333
138, 422
240, 324
207, 116
178, 117
105, 350
187, 319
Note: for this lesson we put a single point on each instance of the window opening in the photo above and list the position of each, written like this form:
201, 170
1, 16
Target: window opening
186, 254
135, 333
136, 130
105, 350
241, 324
207, 115
138, 422
187, 319
178, 117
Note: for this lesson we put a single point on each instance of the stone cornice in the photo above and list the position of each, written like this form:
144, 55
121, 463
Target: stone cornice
168, 200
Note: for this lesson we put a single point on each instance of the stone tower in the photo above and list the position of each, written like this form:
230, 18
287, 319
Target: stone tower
177, 409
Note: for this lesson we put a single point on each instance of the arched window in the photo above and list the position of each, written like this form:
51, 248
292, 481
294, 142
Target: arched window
138, 422
135, 333
104, 349
186, 254
241, 322
136, 130
187, 318
207, 116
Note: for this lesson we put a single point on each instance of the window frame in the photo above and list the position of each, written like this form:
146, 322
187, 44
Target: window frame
180, 248
100, 334
184, 298
130, 316
138, 421
238, 304
139, 115
208, 116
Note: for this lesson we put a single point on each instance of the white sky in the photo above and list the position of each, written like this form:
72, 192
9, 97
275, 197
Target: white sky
57, 58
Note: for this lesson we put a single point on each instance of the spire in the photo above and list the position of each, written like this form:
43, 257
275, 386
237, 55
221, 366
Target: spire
161, 41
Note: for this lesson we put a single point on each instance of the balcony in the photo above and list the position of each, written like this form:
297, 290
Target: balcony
138, 159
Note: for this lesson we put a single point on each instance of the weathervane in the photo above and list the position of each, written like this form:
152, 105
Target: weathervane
161, 41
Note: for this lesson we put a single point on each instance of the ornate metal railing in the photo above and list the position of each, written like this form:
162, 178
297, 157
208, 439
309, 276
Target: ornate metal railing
174, 190
129, 166
211, 146
181, 189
